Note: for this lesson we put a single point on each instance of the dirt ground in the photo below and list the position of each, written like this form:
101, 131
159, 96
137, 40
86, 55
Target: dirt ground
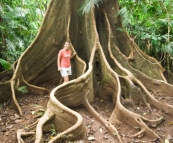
10, 121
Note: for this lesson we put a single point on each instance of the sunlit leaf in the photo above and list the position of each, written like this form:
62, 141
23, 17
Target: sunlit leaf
91, 138
166, 141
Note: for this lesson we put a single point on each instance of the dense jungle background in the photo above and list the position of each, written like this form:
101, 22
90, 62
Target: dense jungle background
148, 22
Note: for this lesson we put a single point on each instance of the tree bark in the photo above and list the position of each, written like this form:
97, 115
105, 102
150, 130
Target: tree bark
106, 58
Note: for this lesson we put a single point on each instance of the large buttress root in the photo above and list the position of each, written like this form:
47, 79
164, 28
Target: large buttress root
107, 59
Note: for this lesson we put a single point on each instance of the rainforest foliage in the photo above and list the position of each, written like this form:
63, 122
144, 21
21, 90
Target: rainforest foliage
19, 24
149, 22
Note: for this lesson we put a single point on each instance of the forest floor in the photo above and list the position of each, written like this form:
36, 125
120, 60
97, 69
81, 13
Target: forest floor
11, 121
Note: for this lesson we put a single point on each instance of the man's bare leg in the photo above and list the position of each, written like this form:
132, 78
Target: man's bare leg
66, 79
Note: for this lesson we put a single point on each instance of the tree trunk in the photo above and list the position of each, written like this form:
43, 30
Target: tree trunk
106, 58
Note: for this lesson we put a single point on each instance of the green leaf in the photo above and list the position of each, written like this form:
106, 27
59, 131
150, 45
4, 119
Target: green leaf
145, 36
169, 49
5, 64
22, 89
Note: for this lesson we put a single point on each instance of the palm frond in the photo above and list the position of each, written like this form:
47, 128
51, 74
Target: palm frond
88, 5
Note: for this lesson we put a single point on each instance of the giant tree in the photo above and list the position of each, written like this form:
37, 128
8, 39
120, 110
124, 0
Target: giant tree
106, 57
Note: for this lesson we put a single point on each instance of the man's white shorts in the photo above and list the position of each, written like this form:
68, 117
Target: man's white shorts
66, 71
